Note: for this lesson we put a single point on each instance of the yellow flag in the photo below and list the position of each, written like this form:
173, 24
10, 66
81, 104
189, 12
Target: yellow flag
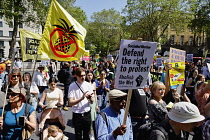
29, 45
63, 37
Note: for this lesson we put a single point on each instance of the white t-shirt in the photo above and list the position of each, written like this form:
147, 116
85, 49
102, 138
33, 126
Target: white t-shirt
75, 92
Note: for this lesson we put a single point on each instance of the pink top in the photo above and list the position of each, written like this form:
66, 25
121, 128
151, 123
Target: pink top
202, 100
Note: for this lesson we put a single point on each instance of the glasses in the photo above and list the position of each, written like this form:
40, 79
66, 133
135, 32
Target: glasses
120, 99
81, 75
15, 75
14, 94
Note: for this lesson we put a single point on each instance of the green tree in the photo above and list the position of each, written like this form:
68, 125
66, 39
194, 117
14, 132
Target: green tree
150, 19
104, 31
200, 24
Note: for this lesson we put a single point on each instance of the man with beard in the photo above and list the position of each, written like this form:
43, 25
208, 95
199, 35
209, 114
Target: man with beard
109, 124
80, 96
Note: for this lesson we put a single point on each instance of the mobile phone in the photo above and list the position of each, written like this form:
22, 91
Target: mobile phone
21, 121
179, 88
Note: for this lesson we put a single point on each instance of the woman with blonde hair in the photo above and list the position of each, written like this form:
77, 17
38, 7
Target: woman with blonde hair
156, 106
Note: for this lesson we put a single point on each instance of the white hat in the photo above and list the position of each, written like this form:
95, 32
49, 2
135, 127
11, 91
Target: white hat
115, 93
185, 112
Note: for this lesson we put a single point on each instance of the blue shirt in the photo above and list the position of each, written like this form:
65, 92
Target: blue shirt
114, 120
102, 90
11, 130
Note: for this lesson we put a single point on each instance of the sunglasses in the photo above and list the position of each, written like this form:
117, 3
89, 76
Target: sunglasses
14, 94
81, 75
120, 99
15, 75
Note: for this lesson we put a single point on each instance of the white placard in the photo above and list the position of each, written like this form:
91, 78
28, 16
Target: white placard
109, 57
159, 62
189, 57
134, 63
45, 62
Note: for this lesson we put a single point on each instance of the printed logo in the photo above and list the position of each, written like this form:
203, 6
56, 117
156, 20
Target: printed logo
67, 37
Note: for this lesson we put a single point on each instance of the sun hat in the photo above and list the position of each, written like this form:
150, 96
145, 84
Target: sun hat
185, 112
115, 93
17, 89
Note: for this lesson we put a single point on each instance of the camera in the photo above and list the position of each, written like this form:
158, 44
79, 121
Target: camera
21, 121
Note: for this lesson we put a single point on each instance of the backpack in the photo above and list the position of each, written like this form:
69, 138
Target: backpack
146, 129
61, 75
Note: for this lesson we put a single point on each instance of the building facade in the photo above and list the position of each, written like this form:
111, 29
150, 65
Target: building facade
6, 32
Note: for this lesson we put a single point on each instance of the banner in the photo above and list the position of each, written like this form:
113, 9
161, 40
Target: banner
177, 73
134, 63
63, 37
189, 57
176, 55
86, 56
29, 43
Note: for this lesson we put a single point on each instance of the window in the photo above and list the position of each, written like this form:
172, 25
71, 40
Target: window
1, 24
172, 39
1, 16
1, 33
191, 41
182, 40
1, 43
10, 33
21, 25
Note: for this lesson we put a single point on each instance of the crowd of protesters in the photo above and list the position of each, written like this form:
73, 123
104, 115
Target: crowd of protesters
98, 108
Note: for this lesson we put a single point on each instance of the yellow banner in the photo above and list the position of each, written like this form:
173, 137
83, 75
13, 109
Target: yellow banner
87, 53
29, 45
177, 73
63, 37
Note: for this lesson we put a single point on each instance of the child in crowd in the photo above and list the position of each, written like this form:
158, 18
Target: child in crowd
54, 133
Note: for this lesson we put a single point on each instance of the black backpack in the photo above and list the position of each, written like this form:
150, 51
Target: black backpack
146, 129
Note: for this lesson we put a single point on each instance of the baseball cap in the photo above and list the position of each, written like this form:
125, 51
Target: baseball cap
115, 93
185, 112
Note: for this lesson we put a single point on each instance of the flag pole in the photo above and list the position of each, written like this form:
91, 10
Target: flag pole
127, 106
8, 81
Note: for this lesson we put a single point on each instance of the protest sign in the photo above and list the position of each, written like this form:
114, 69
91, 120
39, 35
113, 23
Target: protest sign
208, 66
177, 72
109, 57
45, 62
159, 62
189, 57
176, 55
134, 63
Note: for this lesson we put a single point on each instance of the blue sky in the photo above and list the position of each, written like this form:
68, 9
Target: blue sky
91, 6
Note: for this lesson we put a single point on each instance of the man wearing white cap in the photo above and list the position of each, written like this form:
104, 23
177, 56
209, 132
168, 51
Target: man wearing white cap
183, 117
110, 125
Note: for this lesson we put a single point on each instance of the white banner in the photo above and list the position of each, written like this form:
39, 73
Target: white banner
134, 63
159, 62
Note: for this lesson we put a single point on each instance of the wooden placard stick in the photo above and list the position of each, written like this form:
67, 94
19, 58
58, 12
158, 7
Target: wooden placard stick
127, 106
